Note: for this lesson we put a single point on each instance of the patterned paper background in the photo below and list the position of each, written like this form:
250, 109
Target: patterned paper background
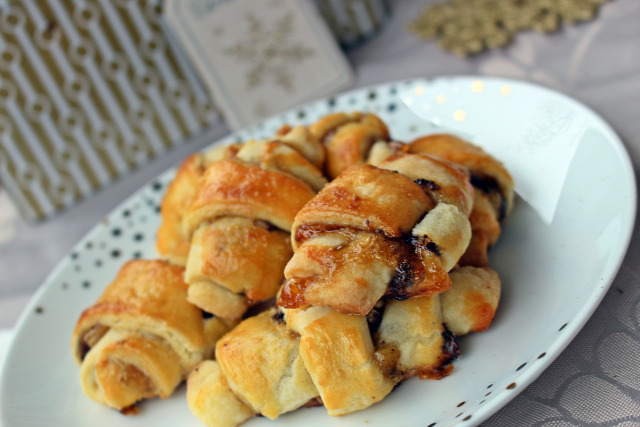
354, 21
89, 90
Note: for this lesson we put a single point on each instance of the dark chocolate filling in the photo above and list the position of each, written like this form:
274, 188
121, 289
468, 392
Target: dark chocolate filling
374, 317
490, 186
427, 185
265, 224
278, 317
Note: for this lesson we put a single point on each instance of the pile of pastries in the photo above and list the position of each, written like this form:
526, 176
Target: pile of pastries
322, 266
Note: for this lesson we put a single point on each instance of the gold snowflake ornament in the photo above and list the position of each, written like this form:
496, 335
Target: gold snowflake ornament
466, 27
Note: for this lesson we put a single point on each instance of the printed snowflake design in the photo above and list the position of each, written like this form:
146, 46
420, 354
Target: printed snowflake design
466, 27
269, 52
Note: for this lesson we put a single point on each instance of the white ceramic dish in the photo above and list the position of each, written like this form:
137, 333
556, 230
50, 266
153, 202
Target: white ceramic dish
560, 251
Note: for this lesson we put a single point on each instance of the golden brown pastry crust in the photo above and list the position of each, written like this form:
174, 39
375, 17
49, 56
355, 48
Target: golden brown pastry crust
348, 138
172, 243
373, 232
471, 302
446, 182
364, 198
217, 299
260, 361
211, 400
234, 188
443, 233
347, 270
493, 199
240, 219
141, 337
279, 156
125, 367
485, 229
478, 162
241, 255
415, 328
301, 139
338, 352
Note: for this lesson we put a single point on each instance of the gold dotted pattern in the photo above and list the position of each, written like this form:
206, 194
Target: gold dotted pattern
88, 91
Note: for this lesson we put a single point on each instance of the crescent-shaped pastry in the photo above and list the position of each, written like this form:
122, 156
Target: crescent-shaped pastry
374, 292
339, 354
141, 338
348, 139
261, 361
493, 195
211, 400
172, 242
412, 332
246, 257
240, 219
471, 302
258, 370
393, 230
301, 139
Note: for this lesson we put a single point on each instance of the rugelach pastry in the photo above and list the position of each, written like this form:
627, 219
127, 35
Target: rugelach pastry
361, 310
494, 190
375, 252
391, 231
239, 220
348, 138
172, 243
141, 338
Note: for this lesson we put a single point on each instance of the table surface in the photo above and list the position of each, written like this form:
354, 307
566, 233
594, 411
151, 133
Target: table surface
597, 63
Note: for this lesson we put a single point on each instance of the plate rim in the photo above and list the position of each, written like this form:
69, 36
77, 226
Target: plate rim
525, 378
573, 328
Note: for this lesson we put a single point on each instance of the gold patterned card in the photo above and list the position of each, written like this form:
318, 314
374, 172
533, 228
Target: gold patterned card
89, 90
259, 58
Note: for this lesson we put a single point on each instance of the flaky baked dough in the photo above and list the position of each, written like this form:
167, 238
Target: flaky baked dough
348, 138
236, 188
262, 365
471, 302
211, 400
493, 195
246, 259
265, 367
258, 370
375, 231
240, 219
348, 270
172, 242
415, 329
364, 198
141, 338
338, 353
357, 316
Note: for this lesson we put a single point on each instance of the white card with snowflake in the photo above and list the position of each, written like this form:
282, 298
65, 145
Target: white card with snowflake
259, 58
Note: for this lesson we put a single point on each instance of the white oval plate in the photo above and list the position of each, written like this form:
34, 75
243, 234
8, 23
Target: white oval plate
559, 252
